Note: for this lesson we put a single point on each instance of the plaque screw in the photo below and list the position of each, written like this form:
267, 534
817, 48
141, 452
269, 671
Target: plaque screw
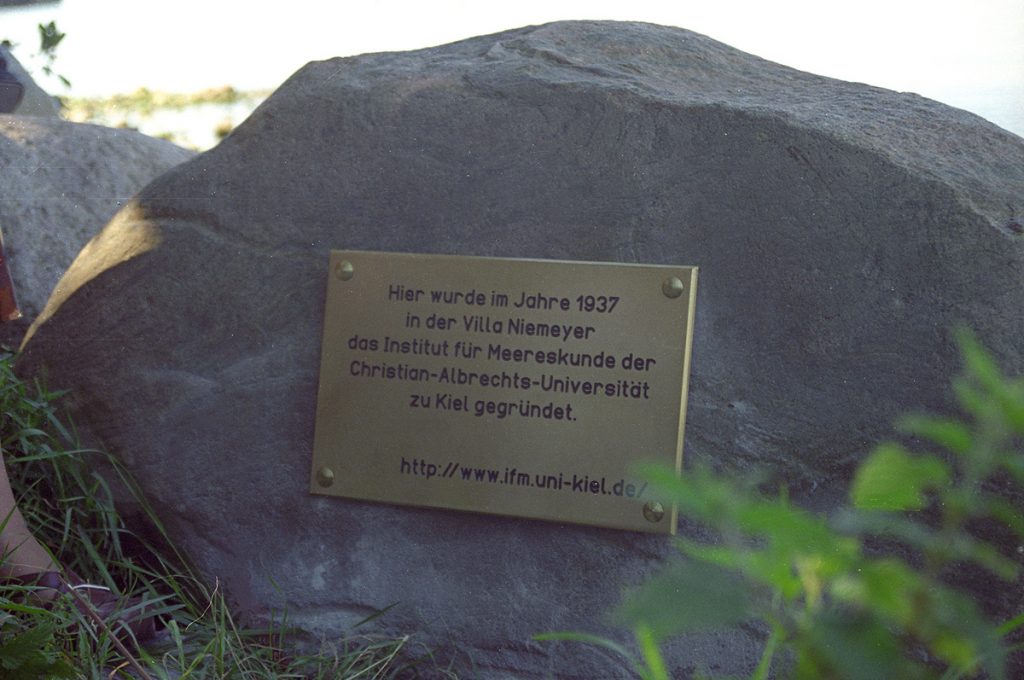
654, 511
672, 287
344, 270
325, 477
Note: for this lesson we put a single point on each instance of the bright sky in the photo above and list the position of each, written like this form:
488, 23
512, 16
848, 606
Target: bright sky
967, 53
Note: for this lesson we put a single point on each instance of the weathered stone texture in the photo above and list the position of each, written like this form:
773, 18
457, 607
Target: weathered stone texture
60, 183
841, 230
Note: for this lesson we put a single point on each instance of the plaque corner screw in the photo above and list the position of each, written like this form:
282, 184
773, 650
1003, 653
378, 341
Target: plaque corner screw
325, 476
344, 270
672, 287
654, 511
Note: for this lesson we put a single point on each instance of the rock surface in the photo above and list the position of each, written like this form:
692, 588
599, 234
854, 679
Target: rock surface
841, 231
60, 183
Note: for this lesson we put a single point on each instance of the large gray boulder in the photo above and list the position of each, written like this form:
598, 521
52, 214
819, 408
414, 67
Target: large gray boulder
841, 230
60, 183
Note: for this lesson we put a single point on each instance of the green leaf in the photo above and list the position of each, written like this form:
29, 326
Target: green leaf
723, 556
759, 566
1008, 395
948, 433
886, 586
764, 666
687, 596
1014, 464
30, 655
955, 629
1004, 511
1012, 625
859, 648
892, 479
978, 361
656, 669
947, 547
794, 531
702, 494
25, 648
49, 37
586, 638
971, 399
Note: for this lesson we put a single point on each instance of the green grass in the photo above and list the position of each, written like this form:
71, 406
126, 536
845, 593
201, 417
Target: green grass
68, 505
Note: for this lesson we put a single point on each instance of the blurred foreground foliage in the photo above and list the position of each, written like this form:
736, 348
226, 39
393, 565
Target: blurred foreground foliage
833, 607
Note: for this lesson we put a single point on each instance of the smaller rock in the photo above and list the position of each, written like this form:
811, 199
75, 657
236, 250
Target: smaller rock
60, 183
35, 102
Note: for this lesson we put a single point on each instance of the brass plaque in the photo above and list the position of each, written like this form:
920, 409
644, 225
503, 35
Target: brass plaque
513, 387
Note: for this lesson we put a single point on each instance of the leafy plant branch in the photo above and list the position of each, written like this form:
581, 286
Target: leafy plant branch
832, 607
50, 37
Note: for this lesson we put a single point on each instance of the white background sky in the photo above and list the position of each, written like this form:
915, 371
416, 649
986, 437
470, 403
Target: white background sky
967, 53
